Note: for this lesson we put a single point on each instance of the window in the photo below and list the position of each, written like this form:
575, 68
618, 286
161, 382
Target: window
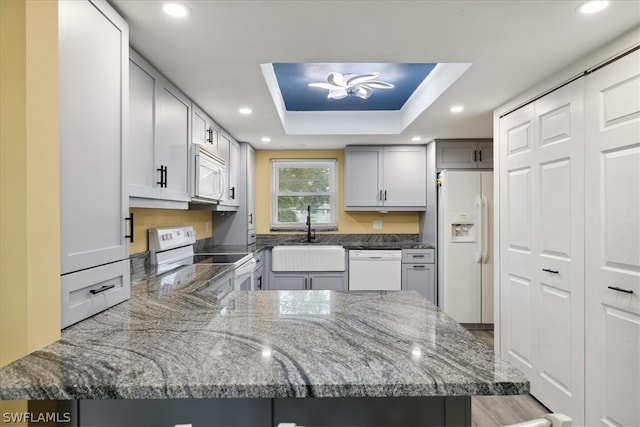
297, 184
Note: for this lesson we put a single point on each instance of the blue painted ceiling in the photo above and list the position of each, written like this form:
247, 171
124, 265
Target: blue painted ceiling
293, 80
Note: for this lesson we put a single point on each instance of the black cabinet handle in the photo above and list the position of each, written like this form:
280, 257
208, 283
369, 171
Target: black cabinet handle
417, 256
550, 271
260, 282
250, 218
419, 266
615, 288
102, 289
233, 193
380, 196
166, 176
480, 155
311, 283
305, 283
131, 233
475, 155
163, 176
385, 195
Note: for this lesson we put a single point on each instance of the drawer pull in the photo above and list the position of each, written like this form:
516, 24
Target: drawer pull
550, 271
102, 289
419, 266
417, 256
615, 288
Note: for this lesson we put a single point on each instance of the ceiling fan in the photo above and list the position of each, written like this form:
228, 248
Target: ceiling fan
343, 85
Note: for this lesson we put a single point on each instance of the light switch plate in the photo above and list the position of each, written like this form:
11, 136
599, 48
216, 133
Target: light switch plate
377, 225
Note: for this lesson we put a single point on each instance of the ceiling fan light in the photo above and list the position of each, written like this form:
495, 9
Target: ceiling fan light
337, 94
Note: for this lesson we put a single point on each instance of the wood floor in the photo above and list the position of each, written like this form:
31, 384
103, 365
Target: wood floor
490, 411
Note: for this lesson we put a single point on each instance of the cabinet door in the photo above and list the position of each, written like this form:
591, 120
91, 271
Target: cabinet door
485, 154
363, 175
172, 141
251, 194
456, 154
142, 173
199, 129
233, 174
612, 115
288, 281
94, 56
421, 278
405, 177
328, 281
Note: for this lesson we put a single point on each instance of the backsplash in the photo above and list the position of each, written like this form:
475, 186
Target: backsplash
151, 218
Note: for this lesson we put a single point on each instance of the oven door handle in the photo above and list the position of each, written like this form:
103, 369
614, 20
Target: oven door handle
246, 268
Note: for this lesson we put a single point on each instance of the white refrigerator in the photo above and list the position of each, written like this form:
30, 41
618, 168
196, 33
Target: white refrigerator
465, 253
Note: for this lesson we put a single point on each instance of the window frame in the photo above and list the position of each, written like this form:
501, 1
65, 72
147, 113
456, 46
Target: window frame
276, 165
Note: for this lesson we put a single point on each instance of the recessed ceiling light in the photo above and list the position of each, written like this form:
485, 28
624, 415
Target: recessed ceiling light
456, 108
265, 139
416, 139
592, 6
175, 10
245, 110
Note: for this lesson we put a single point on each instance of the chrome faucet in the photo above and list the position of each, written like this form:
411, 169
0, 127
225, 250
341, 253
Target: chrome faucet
309, 237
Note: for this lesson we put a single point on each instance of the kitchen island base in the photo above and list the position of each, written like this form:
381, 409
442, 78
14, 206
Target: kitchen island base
314, 412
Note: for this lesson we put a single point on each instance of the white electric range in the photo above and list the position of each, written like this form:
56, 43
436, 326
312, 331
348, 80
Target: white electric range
172, 247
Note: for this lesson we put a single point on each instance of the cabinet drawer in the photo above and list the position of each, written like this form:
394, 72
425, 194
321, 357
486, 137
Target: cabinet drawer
418, 256
91, 291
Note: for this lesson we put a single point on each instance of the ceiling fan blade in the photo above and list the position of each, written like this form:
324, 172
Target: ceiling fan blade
328, 86
361, 78
337, 94
363, 92
379, 84
337, 79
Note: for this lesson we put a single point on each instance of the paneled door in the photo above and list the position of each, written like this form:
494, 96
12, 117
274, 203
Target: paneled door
542, 247
558, 224
612, 106
517, 159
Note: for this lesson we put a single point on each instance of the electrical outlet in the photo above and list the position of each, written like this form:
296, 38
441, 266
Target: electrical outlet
377, 225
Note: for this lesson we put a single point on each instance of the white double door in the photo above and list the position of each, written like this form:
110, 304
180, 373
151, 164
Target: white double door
570, 245
542, 247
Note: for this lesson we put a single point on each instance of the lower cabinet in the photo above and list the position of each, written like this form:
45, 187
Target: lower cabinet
418, 272
301, 280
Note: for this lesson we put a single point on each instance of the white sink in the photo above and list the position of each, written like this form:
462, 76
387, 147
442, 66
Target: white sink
308, 258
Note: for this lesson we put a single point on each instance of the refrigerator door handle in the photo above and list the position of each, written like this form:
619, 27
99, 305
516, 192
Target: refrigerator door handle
479, 230
485, 229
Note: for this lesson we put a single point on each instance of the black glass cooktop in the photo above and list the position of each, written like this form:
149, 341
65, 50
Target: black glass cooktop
218, 258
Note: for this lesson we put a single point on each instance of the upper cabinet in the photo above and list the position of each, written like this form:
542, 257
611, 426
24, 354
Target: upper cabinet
159, 139
229, 150
464, 154
205, 131
385, 178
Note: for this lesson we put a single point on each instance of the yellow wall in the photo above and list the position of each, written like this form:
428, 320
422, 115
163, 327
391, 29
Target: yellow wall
29, 178
145, 219
348, 222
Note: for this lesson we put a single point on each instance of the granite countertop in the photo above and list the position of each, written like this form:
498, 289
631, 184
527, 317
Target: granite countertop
190, 340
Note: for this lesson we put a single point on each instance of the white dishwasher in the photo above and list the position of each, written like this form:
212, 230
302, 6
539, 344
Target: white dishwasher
375, 270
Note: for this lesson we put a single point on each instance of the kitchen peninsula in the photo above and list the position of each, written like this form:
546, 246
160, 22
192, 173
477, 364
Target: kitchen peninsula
353, 352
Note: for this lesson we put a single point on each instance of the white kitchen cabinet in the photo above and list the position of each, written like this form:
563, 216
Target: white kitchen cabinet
239, 227
94, 229
612, 222
229, 150
464, 154
204, 131
325, 280
385, 178
418, 272
159, 148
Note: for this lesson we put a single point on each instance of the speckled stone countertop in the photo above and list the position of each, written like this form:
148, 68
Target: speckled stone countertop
191, 340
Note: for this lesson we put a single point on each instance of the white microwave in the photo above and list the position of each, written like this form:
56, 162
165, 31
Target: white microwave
210, 177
